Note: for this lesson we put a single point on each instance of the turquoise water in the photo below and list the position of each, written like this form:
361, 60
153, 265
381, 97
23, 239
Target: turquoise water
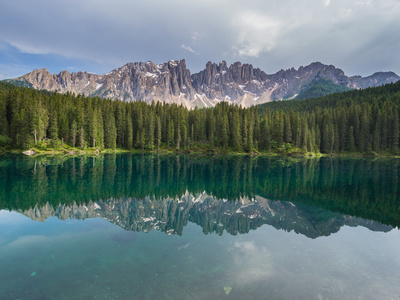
148, 227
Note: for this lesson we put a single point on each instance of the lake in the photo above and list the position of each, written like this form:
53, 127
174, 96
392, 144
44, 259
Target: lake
199, 227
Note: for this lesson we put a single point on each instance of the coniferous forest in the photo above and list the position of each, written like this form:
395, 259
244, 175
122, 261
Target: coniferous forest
364, 121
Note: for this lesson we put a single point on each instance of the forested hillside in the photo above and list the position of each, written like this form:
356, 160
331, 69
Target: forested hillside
356, 121
320, 87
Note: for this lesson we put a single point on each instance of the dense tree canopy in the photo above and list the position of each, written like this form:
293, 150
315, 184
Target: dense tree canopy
361, 121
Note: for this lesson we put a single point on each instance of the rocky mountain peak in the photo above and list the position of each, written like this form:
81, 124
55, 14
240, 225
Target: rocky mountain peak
172, 82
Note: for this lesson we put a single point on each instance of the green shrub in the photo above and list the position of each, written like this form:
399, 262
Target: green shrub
5, 141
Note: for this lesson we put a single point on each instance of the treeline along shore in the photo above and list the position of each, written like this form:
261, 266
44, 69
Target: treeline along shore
354, 122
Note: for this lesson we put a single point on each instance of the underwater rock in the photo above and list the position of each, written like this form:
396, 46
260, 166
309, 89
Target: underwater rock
227, 289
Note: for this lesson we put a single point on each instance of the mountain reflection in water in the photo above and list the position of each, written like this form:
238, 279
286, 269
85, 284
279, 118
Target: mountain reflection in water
213, 215
313, 197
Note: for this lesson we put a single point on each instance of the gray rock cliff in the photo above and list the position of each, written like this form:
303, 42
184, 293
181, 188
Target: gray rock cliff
172, 82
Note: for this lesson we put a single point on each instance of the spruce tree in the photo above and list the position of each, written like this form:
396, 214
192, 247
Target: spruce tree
225, 131
110, 133
395, 145
287, 129
352, 147
53, 128
158, 129
171, 133
250, 132
3, 116
129, 133
178, 136
212, 128
82, 138
236, 132
74, 133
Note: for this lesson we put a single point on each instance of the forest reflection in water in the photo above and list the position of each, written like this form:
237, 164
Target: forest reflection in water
236, 193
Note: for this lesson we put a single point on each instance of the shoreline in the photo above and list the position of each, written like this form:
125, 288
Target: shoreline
95, 152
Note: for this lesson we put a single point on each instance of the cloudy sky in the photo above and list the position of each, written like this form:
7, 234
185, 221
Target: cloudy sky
358, 36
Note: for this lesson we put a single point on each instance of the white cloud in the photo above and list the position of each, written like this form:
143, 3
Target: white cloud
29, 48
188, 49
269, 34
257, 33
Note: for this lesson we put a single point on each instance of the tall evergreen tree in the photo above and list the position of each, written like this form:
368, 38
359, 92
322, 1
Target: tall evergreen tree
396, 134
82, 138
287, 129
171, 133
129, 132
53, 127
74, 133
110, 133
351, 143
158, 129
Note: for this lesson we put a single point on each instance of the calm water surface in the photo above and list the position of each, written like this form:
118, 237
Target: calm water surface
188, 227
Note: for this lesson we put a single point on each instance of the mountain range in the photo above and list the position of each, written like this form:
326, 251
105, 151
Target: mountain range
172, 82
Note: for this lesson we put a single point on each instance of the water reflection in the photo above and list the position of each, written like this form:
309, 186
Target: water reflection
313, 197
171, 215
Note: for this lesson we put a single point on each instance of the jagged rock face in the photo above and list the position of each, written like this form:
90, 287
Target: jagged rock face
376, 79
222, 83
172, 82
171, 215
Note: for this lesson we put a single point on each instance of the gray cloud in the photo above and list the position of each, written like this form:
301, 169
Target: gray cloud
359, 36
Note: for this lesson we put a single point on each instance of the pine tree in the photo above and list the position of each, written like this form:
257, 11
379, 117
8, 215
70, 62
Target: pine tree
317, 139
171, 133
142, 139
100, 129
178, 136
304, 136
250, 131
120, 123
336, 141
396, 133
129, 133
376, 139
295, 125
158, 129
74, 133
3, 116
342, 126
39, 120
110, 132
277, 134
82, 138
150, 130
139, 127
236, 132
364, 143
53, 128
351, 143
328, 138
63, 127
212, 128
287, 129
225, 131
